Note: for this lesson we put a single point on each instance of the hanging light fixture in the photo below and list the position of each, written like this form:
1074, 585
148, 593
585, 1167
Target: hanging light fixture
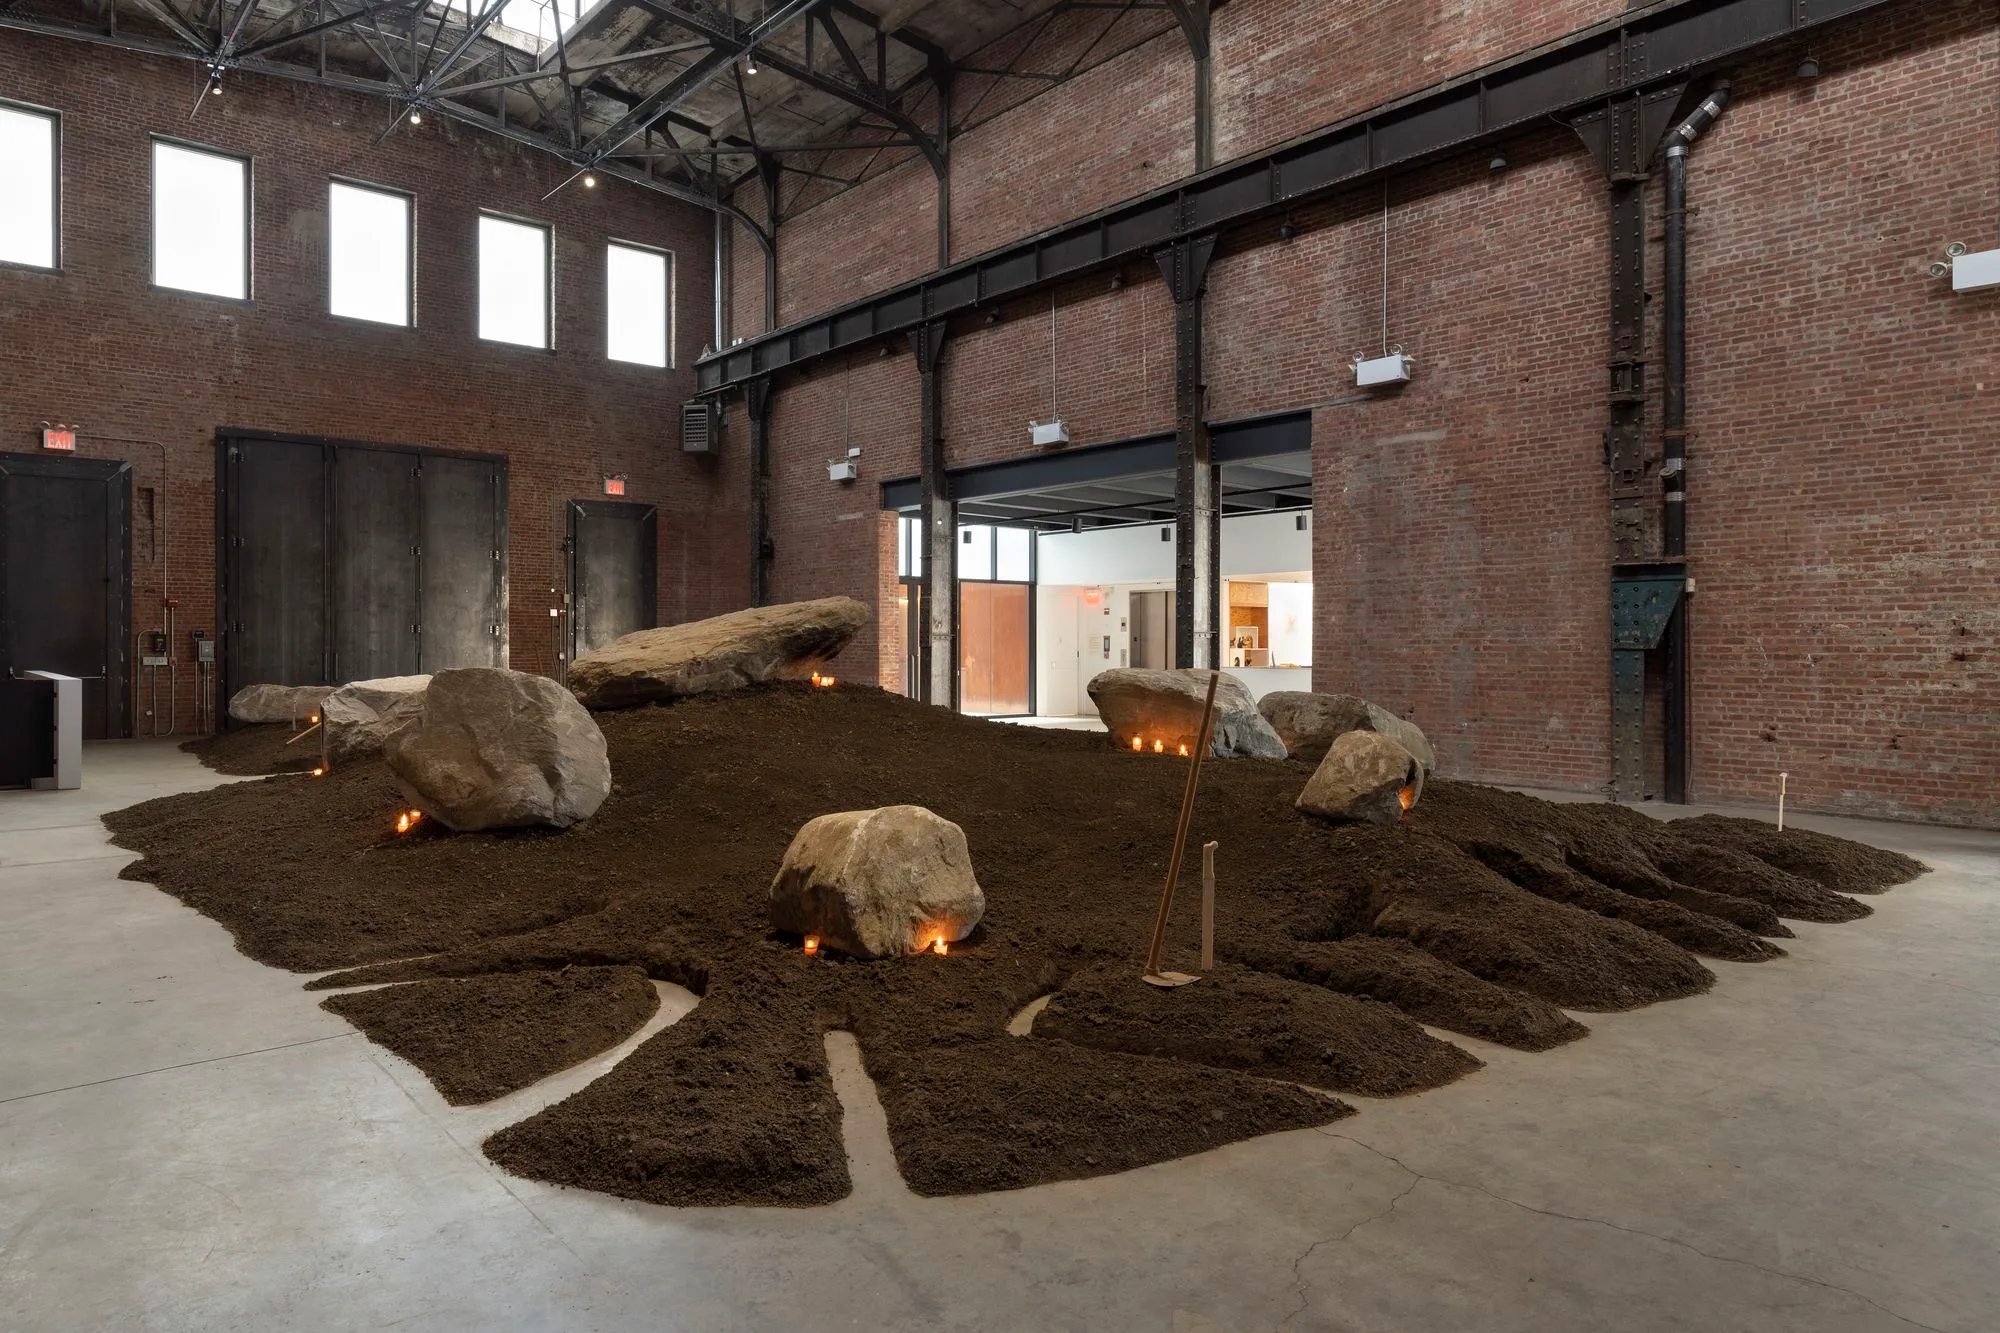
416, 116
589, 181
750, 62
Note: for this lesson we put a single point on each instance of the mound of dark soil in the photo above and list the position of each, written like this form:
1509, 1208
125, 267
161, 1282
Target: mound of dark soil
1835, 863
1481, 913
255, 752
1234, 1018
478, 1038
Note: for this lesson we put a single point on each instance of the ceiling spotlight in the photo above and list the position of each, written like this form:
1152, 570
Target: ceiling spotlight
416, 116
750, 63
589, 181
215, 80
1498, 163
1808, 69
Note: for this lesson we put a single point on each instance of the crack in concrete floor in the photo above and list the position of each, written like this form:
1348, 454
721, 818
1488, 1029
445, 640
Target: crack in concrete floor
1304, 1285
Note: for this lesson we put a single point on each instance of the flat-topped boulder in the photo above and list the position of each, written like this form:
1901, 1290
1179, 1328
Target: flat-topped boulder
1364, 778
725, 652
877, 883
1165, 706
1308, 722
495, 748
293, 705
357, 718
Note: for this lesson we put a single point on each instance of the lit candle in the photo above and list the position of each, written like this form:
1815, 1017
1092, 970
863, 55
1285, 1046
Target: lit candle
1159, 746
319, 772
938, 945
812, 945
1183, 749
1137, 745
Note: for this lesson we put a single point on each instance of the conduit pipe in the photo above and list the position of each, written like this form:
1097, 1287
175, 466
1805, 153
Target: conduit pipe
1673, 432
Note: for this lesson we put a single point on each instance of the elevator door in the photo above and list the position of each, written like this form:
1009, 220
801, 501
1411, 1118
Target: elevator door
65, 578
613, 572
1153, 630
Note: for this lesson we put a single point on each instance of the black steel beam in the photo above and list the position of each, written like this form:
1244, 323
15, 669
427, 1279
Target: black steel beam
1637, 52
937, 649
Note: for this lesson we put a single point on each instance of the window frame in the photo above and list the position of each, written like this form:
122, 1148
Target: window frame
249, 296
55, 119
548, 230
667, 313
410, 251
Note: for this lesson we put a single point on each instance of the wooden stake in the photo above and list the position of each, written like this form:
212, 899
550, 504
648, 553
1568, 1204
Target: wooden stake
302, 735
1208, 906
1180, 838
1781, 801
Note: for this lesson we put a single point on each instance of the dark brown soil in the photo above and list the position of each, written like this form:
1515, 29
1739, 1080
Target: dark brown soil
255, 752
1234, 1018
1836, 863
478, 1038
1481, 913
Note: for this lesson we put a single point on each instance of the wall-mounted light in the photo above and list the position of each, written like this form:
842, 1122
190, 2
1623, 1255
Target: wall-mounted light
1808, 69
1498, 164
1286, 231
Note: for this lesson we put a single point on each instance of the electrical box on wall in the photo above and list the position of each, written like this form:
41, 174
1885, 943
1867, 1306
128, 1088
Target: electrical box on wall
701, 427
1049, 434
1375, 372
844, 469
1971, 272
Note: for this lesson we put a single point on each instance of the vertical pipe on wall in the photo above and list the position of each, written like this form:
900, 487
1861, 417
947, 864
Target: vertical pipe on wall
1197, 509
757, 398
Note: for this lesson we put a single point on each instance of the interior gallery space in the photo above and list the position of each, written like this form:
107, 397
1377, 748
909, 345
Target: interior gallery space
750, 666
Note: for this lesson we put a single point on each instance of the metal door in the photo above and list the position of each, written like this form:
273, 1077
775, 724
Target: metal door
465, 579
1152, 616
66, 578
613, 572
377, 571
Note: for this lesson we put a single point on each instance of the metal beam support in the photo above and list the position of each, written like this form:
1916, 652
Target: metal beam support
1193, 16
937, 653
767, 172
757, 396
1518, 95
1197, 481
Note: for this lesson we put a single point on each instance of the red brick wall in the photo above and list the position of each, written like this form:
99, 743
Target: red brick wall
1844, 409
96, 345
1844, 512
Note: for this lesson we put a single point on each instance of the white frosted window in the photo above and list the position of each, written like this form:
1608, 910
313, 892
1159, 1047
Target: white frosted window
513, 282
1014, 561
975, 552
635, 305
27, 188
368, 253
201, 221
909, 546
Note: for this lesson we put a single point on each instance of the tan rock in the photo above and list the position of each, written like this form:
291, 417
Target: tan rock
500, 749
1166, 706
1308, 723
877, 883
293, 705
356, 719
1363, 778
724, 653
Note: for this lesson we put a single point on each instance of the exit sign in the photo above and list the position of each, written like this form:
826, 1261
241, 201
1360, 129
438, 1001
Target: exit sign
614, 485
60, 439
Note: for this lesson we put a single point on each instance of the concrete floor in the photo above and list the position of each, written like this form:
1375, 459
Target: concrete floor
188, 1142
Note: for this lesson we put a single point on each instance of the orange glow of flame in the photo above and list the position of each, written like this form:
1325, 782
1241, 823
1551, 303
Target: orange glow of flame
1137, 745
821, 680
938, 946
1184, 750
407, 820
319, 772
1408, 796
1159, 746
812, 945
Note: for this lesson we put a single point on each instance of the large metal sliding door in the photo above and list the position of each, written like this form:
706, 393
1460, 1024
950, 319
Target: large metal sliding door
613, 572
66, 578
343, 561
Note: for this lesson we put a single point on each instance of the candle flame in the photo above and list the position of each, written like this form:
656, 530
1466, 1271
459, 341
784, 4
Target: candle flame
407, 820
1183, 749
812, 945
938, 946
1408, 796
1159, 746
1137, 745
319, 772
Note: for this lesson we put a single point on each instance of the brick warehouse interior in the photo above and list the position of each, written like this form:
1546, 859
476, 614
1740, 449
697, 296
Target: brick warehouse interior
999, 664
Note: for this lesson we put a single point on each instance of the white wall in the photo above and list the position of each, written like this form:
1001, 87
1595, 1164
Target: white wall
1291, 616
1251, 544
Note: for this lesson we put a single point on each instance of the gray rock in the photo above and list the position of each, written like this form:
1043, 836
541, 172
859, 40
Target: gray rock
356, 719
877, 883
294, 705
1363, 778
1166, 706
1308, 723
500, 749
724, 653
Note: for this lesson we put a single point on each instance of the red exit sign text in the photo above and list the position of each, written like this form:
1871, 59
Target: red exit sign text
60, 439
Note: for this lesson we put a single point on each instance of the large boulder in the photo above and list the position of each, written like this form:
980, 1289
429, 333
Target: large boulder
356, 719
1365, 777
726, 652
877, 883
500, 749
292, 705
1166, 706
1308, 723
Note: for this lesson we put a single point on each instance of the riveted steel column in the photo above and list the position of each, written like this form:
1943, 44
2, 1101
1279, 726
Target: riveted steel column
1197, 508
938, 648
757, 398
